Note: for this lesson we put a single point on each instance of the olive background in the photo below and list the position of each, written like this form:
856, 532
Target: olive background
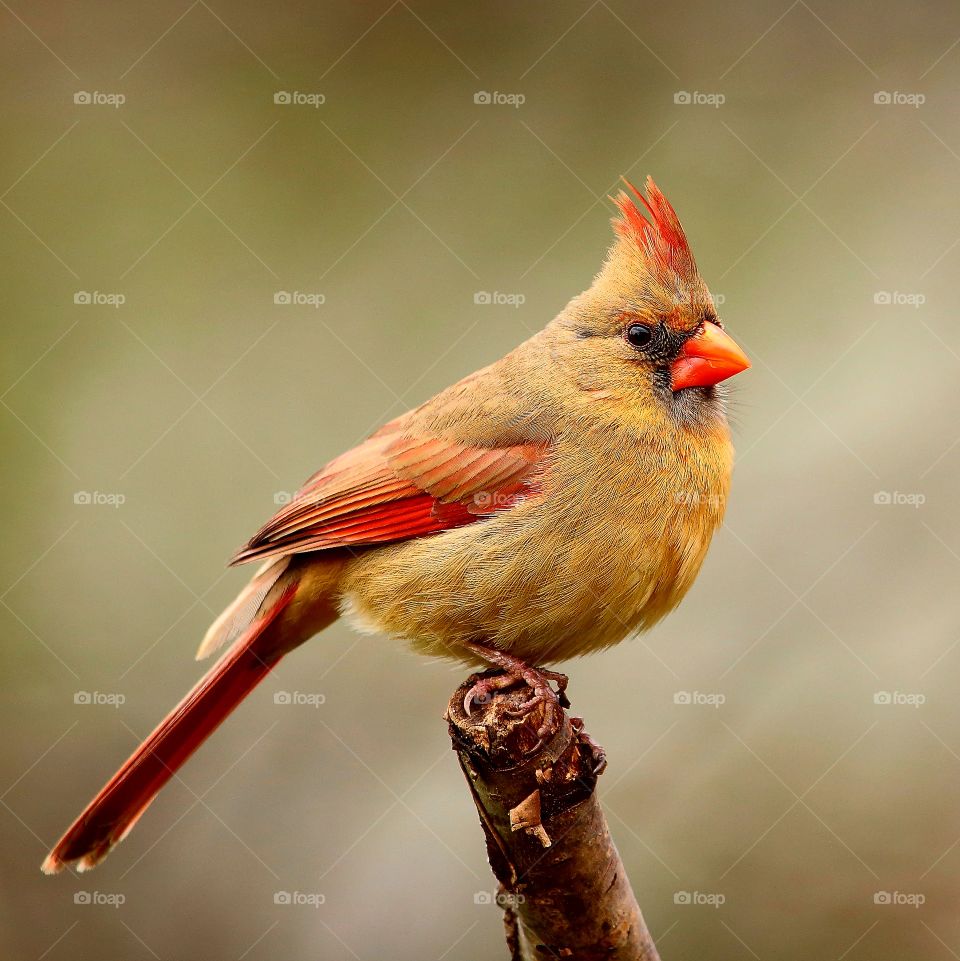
804, 802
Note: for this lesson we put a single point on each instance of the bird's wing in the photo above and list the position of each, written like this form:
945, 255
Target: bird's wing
394, 487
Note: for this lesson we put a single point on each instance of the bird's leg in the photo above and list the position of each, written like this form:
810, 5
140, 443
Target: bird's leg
515, 672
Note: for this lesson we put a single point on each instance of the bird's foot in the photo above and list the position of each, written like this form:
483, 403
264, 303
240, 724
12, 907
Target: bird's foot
538, 680
519, 672
484, 688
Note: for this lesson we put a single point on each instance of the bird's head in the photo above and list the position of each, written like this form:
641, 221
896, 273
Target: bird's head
648, 326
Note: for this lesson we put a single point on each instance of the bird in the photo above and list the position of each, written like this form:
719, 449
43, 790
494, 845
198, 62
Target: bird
547, 506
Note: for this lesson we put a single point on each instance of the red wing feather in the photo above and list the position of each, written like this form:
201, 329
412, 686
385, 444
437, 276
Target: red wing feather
394, 488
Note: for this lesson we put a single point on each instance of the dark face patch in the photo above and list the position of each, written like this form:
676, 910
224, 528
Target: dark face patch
658, 354
663, 344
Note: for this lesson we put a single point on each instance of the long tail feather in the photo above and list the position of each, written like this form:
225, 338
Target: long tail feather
113, 812
241, 613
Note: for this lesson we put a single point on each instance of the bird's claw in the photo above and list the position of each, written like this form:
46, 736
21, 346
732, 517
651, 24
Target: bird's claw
596, 749
482, 690
538, 680
553, 701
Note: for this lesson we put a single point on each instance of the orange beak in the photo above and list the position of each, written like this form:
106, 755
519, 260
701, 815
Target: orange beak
707, 358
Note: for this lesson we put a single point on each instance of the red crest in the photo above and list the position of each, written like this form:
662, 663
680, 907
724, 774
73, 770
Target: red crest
656, 231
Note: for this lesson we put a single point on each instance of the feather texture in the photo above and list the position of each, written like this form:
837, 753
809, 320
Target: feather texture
659, 237
576, 491
396, 487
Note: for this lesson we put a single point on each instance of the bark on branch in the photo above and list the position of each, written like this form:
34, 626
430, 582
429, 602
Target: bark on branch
562, 884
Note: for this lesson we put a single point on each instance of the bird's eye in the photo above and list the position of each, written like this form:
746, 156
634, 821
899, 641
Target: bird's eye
638, 335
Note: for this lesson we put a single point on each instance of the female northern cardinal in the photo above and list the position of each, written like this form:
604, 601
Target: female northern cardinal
543, 507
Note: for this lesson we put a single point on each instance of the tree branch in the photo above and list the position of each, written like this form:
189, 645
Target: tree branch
562, 884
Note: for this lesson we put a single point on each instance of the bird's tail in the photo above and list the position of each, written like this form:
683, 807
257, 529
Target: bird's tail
113, 812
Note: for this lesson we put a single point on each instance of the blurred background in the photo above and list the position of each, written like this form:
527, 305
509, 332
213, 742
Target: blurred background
238, 238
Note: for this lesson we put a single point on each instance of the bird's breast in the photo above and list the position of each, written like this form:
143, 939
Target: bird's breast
610, 543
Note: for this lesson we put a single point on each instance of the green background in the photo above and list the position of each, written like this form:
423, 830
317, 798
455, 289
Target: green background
199, 401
